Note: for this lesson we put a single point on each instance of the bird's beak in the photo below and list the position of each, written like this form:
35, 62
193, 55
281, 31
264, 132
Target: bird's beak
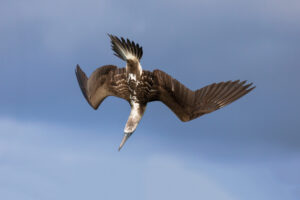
126, 136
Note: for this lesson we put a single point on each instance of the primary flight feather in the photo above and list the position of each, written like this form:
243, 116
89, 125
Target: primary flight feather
139, 87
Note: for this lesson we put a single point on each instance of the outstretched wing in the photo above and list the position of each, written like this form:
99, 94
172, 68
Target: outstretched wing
188, 104
96, 88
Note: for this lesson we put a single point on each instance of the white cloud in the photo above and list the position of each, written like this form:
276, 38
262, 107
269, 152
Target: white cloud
47, 161
169, 178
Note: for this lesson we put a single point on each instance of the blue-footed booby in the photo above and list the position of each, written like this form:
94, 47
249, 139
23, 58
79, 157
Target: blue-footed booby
138, 87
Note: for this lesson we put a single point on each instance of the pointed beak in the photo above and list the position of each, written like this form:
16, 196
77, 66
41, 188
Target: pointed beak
126, 136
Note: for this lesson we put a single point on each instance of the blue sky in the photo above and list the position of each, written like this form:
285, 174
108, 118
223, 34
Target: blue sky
53, 145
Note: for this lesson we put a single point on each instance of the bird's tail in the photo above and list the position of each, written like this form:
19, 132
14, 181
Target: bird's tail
125, 49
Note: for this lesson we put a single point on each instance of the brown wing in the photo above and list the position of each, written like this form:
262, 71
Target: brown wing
100, 84
188, 104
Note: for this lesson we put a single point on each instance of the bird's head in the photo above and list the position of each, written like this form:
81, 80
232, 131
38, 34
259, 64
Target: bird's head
125, 137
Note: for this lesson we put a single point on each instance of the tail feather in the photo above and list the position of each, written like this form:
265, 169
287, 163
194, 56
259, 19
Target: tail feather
125, 49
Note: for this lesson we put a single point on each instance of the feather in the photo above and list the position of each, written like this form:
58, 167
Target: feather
188, 104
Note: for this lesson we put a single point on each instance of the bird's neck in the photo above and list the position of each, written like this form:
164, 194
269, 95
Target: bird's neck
136, 114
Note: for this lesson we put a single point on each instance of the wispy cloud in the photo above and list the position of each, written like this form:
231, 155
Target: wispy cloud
169, 178
46, 161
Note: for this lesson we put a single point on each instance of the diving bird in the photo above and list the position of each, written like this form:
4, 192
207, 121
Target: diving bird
139, 87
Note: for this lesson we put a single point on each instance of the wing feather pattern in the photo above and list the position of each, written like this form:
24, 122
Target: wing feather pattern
96, 88
188, 104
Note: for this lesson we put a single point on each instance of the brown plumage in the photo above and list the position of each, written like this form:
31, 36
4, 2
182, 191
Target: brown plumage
188, 104
139, 87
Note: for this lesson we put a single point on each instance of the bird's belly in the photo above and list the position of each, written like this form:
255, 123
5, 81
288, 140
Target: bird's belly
132, 88
139, 92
